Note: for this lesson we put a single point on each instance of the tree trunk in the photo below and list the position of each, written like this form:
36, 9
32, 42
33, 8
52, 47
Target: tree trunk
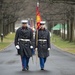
71, 31
67, 29
64, 31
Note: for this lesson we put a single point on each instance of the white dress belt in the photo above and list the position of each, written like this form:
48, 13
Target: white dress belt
24, 39
42, 40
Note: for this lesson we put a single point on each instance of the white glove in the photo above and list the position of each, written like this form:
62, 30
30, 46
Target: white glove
36, 49
17, 46
49, 49
31, 47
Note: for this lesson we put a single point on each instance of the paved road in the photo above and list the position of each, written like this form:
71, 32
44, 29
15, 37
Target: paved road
59, 63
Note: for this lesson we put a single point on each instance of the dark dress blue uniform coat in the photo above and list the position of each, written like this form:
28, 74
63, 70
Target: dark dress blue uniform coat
43, 45
26, 33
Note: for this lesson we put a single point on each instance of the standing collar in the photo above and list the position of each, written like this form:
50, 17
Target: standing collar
42, 29
24, 27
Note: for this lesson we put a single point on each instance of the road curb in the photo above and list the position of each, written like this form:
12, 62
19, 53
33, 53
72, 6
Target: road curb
6, 47
62, 49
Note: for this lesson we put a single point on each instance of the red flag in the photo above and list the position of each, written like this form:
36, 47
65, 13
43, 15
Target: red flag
38, 17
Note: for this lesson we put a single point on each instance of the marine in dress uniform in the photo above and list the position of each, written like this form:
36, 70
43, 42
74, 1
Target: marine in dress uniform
43, 46
23, 43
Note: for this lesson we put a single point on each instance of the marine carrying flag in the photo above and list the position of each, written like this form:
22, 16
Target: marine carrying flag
38, 17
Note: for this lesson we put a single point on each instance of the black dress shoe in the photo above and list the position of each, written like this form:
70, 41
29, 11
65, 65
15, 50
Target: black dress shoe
42, 69
27, 68
24, 69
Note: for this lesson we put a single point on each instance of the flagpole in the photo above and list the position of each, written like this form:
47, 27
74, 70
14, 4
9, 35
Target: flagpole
37, 4
37, 38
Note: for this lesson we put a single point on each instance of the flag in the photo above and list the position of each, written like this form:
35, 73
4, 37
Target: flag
29, 21
38, 17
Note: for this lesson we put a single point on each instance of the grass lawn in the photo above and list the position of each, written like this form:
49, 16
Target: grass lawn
7, 40
64, 45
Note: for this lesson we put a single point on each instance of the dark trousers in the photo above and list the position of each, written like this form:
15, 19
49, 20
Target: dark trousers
25, 61
42, 62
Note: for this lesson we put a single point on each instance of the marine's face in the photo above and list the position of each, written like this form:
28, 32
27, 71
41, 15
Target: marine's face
42, 26
24, 24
